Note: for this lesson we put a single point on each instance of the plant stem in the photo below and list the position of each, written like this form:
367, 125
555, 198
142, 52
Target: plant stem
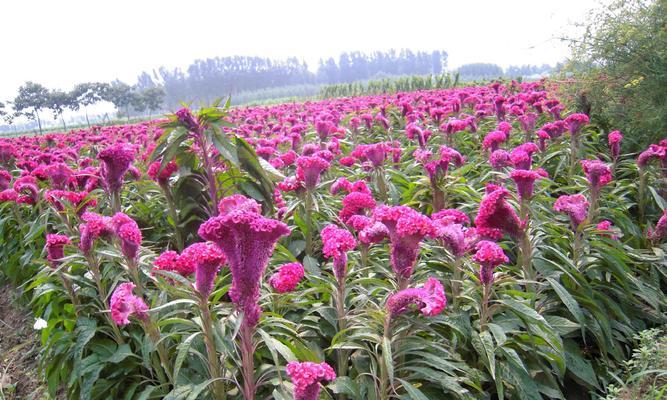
219, 391
307, 215
486, 295
384, 368
70, 290
381, 185
526, 260
171, 206
640, 195
574, 153
210, 175
164, 375
456, 281
438, 197
342, 325
97, 276
246, 334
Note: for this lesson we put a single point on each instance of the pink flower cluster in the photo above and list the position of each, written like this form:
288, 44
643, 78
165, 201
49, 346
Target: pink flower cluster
307, 376
429, 299
124, 304
287, 278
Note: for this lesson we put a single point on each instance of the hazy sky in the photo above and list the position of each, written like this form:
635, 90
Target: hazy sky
61, 43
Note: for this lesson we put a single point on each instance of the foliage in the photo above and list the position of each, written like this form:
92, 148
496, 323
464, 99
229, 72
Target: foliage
619, 69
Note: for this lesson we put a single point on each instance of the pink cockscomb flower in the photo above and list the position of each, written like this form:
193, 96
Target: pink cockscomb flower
8, 196
307, 376
247, 239
336, 243
94, 226
116, 159
660, 232
607, 227
496, 213
287, 278
451, 215
493, 140
173, 262
374, 232
59, 174
525, 181
161, 177
309, 169
127, 230
407, 228
489, 255
124, 304
575, 122
614, 139
55, 248
499, 159
597, 172
429, 299
5, 179
654, 151
356, 203
576, 206
207, 258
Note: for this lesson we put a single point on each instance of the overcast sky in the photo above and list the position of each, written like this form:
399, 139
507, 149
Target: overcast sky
61, 43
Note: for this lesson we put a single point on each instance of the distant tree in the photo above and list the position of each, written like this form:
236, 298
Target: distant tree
87, 94
153, 98
30, 100
480, 71
58, 101
121, 95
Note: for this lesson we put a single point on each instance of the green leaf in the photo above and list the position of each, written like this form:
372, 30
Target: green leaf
413, 392
580, 367
388, 359
183, 349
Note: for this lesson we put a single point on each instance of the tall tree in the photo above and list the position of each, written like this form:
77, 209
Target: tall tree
30, 100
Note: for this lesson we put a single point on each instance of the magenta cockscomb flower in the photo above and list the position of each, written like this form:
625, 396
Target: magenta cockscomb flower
356, 203
575, 122
336, 243
451, 215
489, 255
309, 169
125, 304
522, 155
496, 213
55, 248
493, 140
59, 174
161, 177
542, 137
614, 139
28, 192
608, 227
527, 121
407, 228
660, 232
5, 179
525, 181
247, 239
429, 299
127, 230
207, 259
79, 201
374, 232
287, 278
499, 159
452, 236
307, 376
187, 119
8, 196
173, 262
117, 159
576, 206
597, 172
94, 226
653, 152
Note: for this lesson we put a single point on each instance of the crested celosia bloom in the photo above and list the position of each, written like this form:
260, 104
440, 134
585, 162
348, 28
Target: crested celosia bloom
654, 151
173, 262
607, 226
452, 236
59, 174
356, 203
660, 232
429, 299
407, 228
26, 187
307, 376
309, 169
125, 304
127, 230
489, 255
77, 200
542, 139
496, 213
95, 226
493, 140
499, 159
8, 195
55, 245
451, 215
614, 139
247, 239
575, 122
576, 206
116, 159
161, 177
527, 121
5, 179
188, 120
525, 181
287, 278
522, 155
207, 259
374, 232
597, 172
336, 243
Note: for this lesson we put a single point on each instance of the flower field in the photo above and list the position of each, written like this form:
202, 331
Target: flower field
478, 242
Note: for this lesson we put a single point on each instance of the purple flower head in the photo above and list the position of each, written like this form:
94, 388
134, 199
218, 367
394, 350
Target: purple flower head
124, 304
496, 213
55, 245
375, 232
127, 230
337, 242
247, 239
188, 120
207, 259
493, 140
407, 228
576, 206
597, 172
59, 174
287, 278
94, 226
575, 122
430, 299
356, 203
489, 255
525, 181
499, 159
307, 376
660, 232
614, 139
117, 159
309, 169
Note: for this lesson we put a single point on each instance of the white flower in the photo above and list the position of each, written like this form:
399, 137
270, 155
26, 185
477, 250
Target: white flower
40, 324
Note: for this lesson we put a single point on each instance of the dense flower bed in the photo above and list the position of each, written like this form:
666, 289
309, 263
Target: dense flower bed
476, 242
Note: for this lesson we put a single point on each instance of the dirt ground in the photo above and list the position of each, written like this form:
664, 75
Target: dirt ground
19, 351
